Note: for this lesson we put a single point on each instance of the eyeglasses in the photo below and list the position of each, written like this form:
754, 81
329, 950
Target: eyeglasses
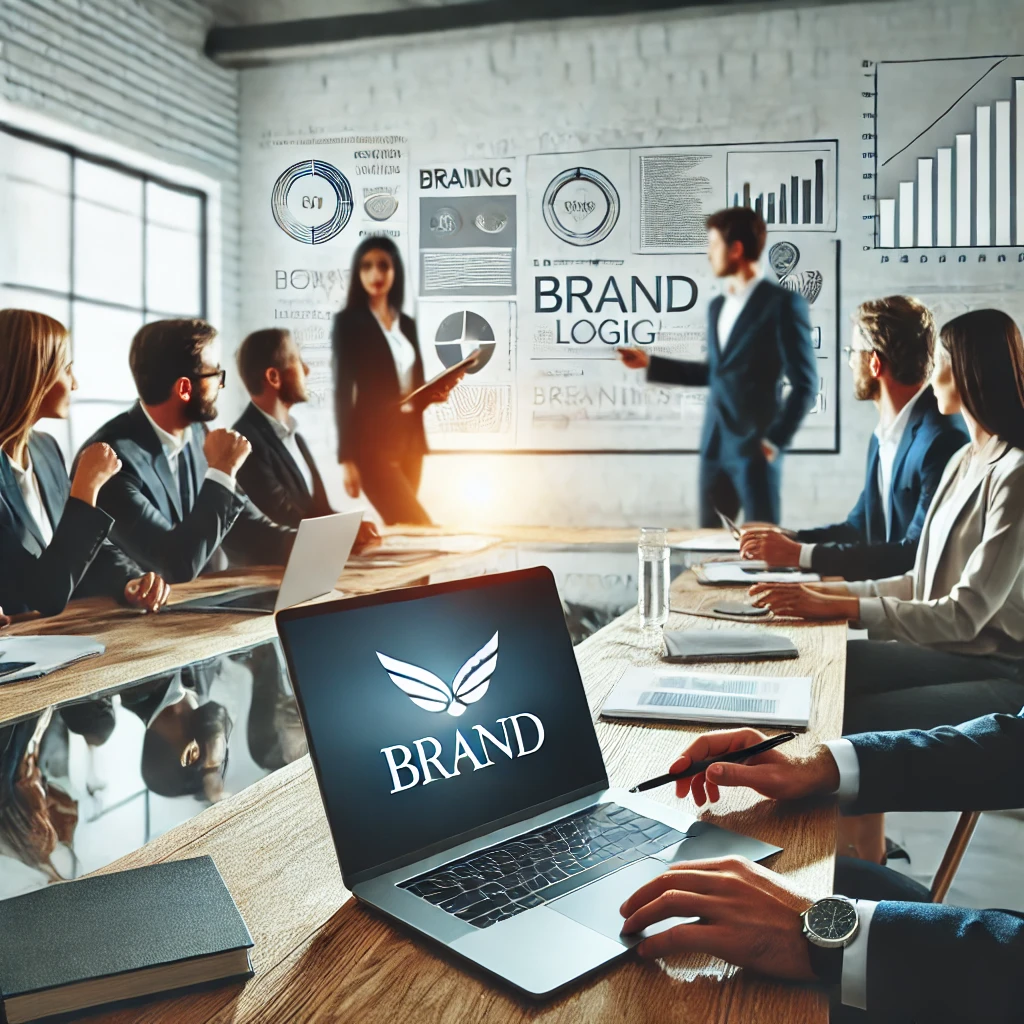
223, 374
848, 351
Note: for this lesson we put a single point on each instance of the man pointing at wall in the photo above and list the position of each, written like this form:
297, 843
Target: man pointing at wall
758, 333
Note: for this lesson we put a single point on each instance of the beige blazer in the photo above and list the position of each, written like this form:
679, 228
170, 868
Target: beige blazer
965, 593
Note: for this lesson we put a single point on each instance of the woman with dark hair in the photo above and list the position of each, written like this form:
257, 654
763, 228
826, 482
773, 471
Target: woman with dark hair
958, 615
377, 363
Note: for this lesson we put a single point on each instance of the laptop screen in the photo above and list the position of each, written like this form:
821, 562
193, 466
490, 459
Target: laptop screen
433, 711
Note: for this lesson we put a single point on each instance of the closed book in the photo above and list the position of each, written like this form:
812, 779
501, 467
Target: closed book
119, 937
696, 645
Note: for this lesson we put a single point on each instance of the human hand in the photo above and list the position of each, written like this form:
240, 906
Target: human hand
96, 465
440, 392
771, 453
353, 482
748, 917
226, 450
800, 601
149, 592
775, 774
634, 358
769, 545
367, 536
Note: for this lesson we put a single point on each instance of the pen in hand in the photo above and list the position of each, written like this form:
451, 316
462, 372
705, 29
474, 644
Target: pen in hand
699, 766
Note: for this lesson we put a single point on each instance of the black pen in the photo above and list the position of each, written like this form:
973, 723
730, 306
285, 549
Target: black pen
699, 766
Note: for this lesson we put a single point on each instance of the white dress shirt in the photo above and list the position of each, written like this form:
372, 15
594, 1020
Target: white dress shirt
889, 437
402, 351
286, 435
29, 487
854, 982
736, 297
173, 447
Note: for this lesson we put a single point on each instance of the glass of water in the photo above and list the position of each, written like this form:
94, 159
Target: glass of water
654, 577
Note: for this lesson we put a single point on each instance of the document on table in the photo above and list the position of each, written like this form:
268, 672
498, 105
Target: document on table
713, 542
683, 696
749, 571
28, 657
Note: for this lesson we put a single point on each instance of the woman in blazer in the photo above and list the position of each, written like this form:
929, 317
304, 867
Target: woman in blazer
377, 362
52, 537
958, 615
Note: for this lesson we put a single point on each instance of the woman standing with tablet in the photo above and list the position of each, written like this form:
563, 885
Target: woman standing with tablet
377, 363
52, 536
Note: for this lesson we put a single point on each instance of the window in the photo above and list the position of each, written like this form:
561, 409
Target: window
103, 248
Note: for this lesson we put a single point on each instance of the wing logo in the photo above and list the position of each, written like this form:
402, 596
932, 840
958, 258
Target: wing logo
431, 693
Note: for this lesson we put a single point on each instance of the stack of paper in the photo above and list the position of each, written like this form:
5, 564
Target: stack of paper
748, 571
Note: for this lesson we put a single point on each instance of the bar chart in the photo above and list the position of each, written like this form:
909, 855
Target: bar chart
794, 188
958, 179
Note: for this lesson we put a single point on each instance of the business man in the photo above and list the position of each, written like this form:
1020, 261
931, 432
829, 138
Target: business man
280, 475
906, 961
758, 333
890, 355
176, 500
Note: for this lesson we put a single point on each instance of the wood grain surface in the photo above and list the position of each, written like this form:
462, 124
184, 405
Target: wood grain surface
319, 956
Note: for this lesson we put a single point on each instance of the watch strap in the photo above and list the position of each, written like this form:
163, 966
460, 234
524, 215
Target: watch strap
827, 964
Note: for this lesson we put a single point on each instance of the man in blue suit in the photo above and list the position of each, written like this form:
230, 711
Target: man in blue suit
758, 333
890, 356
898, 959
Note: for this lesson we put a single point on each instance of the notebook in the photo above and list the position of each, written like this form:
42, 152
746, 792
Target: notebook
694, 645
748, 572
681, 696
28, 657
114, 938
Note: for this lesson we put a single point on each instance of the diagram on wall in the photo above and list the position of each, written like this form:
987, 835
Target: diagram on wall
792, 186
949, 153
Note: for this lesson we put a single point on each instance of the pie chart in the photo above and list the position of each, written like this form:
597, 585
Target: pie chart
460, 333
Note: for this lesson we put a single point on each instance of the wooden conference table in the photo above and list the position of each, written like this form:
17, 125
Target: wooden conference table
321, 957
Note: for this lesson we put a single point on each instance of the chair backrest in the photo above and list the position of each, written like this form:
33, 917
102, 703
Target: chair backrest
955, 851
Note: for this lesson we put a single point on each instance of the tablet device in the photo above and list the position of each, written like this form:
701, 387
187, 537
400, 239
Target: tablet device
452, 371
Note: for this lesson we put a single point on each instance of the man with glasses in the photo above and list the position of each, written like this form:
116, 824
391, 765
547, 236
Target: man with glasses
177, 503
890, 356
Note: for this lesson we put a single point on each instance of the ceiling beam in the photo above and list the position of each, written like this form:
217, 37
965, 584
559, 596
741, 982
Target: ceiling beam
239, 44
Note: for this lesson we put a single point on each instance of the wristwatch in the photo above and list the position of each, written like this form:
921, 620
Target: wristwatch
829, 926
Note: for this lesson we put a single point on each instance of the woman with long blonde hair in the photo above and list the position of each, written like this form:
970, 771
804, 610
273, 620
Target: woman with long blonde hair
52, 536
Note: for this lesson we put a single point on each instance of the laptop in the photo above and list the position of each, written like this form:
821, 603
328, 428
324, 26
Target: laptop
322, 546
463, 781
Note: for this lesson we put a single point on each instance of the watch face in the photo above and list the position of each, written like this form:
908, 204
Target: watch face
832, 919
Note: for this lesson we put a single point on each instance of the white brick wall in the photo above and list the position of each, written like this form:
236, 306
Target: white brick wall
132, 72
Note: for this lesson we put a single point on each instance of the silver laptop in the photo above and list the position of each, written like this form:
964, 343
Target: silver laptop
317, 558
463, 781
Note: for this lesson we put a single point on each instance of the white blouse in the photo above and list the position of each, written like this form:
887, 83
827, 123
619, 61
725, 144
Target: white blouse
402, 351
29, 487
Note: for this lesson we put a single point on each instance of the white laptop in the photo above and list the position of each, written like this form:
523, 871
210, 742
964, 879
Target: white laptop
321, 548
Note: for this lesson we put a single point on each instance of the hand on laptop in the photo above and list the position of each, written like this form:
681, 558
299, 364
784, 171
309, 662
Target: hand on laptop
776, 774
748, 917
226, 450
149, 592
769, 545
805, 601
367, 536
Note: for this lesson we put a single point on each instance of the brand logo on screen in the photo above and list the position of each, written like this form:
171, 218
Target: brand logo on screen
425, 761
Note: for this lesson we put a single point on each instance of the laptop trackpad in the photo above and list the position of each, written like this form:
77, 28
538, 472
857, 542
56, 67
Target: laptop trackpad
597, 905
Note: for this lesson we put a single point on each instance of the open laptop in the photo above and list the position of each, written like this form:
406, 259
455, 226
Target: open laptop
322, 546
463, 781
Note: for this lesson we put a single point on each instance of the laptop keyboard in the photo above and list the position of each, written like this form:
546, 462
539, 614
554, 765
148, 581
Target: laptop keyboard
542, 865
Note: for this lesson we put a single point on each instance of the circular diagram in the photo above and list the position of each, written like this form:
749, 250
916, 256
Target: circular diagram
318, 210
458, 334
581, 206
445, 221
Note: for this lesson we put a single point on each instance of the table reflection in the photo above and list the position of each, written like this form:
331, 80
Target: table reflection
86, 783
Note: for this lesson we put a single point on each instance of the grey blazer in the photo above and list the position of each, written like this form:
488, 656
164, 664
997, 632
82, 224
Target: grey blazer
965, 593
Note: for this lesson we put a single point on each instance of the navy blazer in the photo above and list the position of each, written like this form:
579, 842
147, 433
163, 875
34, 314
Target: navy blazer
367, 395
771, 339
145, 503
272, 479
78, 561
926, 961
858, 548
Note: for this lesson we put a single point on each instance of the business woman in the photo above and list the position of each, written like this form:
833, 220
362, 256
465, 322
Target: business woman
377, 362
958, 615
52, 536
